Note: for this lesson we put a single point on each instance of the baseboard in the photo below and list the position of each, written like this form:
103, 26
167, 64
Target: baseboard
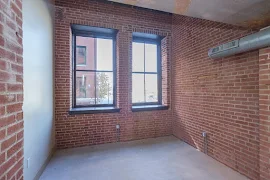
45, 164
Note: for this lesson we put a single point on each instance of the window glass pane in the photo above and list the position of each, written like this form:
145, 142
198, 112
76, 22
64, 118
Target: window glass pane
104, 88
81, 55
150, 58
85, 88
137, 57
151, 88
138, 88
104, 54
85, 53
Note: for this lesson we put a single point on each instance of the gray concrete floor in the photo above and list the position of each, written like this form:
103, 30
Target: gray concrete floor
165, 158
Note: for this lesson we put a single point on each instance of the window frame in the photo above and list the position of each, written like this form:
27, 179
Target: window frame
156, 41
93, 34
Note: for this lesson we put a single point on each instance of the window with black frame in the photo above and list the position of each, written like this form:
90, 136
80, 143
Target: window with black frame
93, 69
146, 72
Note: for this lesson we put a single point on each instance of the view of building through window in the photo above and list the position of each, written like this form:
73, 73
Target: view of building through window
81, 87
94, 78
81, 55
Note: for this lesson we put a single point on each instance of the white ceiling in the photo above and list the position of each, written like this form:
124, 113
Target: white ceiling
248, 13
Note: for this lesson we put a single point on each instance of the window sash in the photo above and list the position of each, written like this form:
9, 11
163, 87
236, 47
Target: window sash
94, 93
145, 102
74, 54
158, 73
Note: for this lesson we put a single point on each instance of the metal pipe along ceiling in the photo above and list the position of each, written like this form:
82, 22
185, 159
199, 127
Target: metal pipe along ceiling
251, 42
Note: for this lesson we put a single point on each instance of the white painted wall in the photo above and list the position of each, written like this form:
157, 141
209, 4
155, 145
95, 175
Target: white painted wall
38, 107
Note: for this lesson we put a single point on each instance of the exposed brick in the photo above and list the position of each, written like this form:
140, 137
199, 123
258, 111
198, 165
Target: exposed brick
15, 87
20, 136
17, 68
3, 65
218, 96
2, 41
90, 129
19, 21
9, 98
2, 110
14, 128
19, 154
19, 78
264, 115
19, 59
16, 9
13, 47
14, 107
4, 76
20, 97
19, 116
2, 134
19, 4
7, 55
10, 52
14, 149
19, 174
1, 20
7, 143
8, 164
2, 158
5, 121
2, 87
11, 24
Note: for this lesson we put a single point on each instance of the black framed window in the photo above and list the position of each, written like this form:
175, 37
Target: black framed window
94, 74
146, 72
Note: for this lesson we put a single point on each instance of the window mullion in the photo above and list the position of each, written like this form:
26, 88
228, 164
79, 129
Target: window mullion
95, 65
74, 70
144, 77
94, 71
159, 75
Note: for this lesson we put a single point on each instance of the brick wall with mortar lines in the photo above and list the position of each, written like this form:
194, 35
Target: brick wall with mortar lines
11, 90
264, 77
220, 97
90, 129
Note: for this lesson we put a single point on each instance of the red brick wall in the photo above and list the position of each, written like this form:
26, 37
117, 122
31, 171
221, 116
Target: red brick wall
220, 97
11, 90
82, 130
264, 113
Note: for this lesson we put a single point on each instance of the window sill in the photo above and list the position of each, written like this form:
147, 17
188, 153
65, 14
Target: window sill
93, 110
149, 108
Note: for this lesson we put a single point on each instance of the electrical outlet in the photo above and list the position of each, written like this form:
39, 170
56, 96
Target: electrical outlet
28, 163
204, 134
117, 126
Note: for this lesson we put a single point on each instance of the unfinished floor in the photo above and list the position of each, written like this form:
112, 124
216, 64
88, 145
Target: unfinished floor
165, 158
